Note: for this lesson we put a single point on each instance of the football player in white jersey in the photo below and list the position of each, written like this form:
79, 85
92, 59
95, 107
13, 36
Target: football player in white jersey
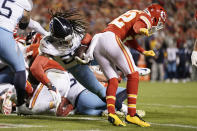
66, 36
13, 12
84, 101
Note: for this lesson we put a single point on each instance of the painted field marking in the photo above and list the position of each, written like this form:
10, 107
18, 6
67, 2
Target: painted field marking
172, 106
6, 125
175, 125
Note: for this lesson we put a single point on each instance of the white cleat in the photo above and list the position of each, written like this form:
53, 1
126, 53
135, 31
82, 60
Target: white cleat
23, 110
143, 71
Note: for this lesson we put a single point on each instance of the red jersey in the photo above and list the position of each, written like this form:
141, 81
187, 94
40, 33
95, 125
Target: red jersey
41, 64
127, 27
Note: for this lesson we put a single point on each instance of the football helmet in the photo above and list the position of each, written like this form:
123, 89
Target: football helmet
158, 16
61, 28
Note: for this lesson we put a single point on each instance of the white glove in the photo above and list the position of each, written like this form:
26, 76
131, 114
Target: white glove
88, 56
194, 58
56, 97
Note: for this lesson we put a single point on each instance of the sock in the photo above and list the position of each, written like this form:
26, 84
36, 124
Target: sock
111, 95
132, 91
19, 84
120, 97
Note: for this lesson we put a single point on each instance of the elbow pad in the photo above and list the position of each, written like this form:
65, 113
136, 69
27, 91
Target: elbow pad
22, 25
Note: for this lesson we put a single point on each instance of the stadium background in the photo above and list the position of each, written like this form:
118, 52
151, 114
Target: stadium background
168, 106
180, 30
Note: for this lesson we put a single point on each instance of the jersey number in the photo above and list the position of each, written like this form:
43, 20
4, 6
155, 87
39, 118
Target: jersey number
73, 82
121, 20
6, 8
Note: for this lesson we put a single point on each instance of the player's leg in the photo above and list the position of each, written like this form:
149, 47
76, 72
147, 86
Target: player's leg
88, 103
11, 54
86, 77
110, 72
126, 64
6, 75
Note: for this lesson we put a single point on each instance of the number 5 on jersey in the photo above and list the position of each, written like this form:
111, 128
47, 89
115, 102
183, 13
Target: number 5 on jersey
4, 10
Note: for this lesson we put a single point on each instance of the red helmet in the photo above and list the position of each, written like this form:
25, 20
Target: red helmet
158, 15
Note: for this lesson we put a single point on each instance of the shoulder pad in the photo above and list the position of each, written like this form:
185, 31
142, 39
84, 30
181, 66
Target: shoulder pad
146, 19
25, 4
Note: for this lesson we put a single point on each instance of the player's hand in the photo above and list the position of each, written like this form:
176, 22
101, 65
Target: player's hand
144, 31
82, 61
149, 53
194, 58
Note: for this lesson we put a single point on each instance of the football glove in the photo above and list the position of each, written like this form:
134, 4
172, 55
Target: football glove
144, 31
149, 53
194, 58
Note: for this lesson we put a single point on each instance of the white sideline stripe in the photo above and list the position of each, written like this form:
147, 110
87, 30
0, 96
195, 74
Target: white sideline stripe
172, 106
175, 125
6, 125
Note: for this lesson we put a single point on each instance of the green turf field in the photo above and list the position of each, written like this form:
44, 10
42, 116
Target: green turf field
168, 106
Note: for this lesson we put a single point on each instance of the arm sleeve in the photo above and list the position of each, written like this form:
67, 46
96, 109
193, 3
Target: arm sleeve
37, 27
138, 25
134, 44
37, 69
86, 40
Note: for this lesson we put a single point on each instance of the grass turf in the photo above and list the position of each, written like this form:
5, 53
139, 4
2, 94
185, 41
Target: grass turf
168, 106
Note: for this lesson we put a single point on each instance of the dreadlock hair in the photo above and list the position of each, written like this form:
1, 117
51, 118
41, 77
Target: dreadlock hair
74, 17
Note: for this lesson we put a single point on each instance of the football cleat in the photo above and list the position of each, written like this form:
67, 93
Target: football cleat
23, 110
136, 119
143, 71
113, 118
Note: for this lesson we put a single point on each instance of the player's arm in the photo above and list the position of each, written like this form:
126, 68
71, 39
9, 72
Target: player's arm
24, 22
37, 27
134, 44
38, 71
85, 43
141, 27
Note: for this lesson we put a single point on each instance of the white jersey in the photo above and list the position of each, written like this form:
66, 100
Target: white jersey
61, 53
75, 89
11, 11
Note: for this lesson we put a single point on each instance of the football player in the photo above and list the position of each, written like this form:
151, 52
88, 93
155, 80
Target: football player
110, 49
67, 34
194, 53
13, 12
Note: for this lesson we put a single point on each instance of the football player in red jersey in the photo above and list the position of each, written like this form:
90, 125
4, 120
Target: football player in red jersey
110, 49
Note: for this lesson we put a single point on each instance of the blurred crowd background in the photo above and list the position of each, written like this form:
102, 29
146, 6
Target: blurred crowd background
173, 45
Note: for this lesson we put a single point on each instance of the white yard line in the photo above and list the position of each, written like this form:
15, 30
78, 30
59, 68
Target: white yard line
175, 125
172, 106
6, 125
